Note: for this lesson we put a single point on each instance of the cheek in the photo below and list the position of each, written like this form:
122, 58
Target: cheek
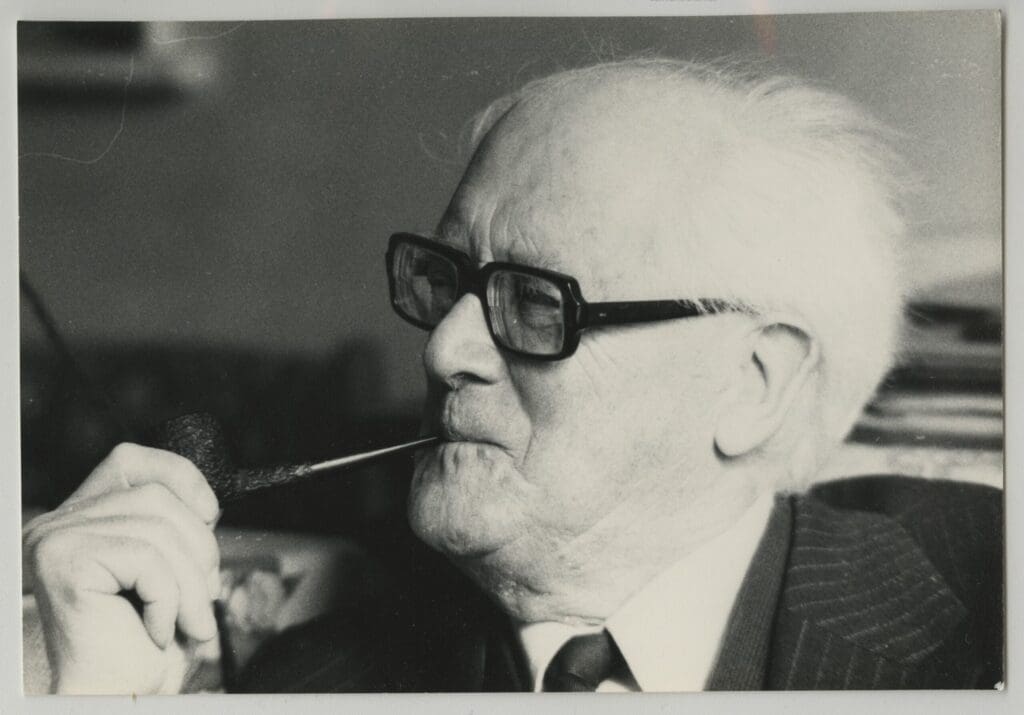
629, 401
578, 412
559, 405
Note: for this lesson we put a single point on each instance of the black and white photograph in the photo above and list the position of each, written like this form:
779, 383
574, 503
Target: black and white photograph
651, 354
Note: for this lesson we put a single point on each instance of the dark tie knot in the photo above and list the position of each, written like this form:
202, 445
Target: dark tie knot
583, 662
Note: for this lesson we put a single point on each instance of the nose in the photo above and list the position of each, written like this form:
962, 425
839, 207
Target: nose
460, 348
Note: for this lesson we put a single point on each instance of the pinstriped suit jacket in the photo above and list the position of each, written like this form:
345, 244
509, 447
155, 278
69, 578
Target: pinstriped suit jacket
874, 582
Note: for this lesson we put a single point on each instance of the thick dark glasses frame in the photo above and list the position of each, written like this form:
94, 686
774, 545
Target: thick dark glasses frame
578, 314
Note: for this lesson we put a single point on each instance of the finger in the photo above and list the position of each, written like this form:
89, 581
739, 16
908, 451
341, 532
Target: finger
152, 501
130, 465
171, 592
114, 564
193, 608
160, 611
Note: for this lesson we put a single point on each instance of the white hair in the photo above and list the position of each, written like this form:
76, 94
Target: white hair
801, 215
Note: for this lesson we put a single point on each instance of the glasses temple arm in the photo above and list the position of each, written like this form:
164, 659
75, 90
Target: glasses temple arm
642, 311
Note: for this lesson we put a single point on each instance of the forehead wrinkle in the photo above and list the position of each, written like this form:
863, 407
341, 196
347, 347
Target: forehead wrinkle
525, 241
459, 227
501, 224
560, 181
616, 235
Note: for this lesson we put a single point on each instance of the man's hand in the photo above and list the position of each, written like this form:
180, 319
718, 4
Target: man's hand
141, 525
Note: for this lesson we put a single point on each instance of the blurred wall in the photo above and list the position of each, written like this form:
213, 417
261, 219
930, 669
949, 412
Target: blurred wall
249, 208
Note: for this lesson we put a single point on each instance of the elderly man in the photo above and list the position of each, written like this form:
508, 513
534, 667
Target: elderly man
660, 295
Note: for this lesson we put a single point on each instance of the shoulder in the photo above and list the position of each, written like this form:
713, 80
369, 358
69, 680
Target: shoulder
908, 498
958, 525
905, 574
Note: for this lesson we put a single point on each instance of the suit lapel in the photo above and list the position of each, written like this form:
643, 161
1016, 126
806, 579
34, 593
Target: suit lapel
861, 605
487, 658
479, 650
838, 599
505, 668
743, 656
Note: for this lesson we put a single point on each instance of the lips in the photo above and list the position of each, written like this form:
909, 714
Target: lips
459, 420
450, 434
450, 431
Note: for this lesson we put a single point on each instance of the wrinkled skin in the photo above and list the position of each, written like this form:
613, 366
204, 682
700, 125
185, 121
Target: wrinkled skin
566, 485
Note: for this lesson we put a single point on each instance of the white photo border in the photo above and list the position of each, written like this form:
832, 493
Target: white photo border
11, 699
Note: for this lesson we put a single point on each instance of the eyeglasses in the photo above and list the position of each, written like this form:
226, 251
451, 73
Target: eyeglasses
529, 311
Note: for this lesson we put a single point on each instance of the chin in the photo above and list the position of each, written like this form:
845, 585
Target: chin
465, 500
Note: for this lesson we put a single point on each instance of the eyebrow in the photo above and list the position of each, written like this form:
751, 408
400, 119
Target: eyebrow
453, 228
456, 232
535, 262
450, 232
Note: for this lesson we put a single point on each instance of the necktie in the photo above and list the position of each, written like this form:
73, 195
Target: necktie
582, 663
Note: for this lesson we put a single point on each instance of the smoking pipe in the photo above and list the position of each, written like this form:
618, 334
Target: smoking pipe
200, 438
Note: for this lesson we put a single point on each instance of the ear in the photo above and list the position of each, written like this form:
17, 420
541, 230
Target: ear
776, 362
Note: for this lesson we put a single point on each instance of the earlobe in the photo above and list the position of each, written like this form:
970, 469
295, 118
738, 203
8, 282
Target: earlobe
779, 360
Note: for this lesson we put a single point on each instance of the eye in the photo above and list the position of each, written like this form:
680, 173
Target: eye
533, 296
538, 305
437, 276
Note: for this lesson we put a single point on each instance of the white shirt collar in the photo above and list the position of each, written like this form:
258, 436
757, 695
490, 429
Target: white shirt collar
669, 631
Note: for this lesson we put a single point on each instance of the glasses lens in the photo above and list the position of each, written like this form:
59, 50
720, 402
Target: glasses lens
527, 312
426, 284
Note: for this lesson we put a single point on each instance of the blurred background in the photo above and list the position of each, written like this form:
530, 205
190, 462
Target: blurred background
204, 208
